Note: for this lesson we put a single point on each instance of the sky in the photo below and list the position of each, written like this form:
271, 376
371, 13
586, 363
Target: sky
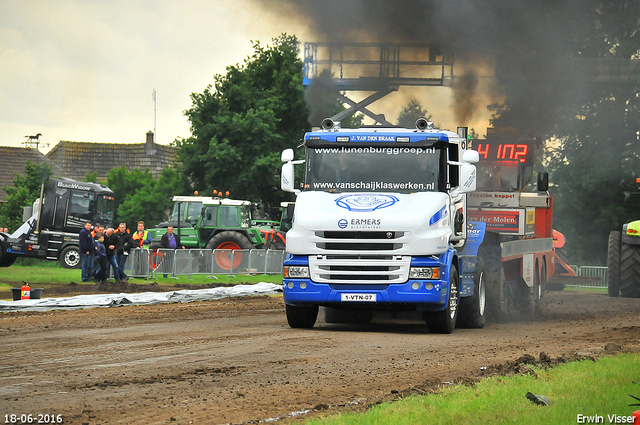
86, 70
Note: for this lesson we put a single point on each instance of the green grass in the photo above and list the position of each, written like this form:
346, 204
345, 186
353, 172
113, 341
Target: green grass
45, 276
586, 387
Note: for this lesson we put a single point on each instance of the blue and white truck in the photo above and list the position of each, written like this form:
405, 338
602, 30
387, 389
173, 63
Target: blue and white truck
378, 225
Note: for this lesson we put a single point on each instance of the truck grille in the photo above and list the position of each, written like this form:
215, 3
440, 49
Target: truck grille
363, 269
359, 241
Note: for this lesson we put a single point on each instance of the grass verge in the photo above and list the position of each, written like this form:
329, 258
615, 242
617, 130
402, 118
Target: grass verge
48, 277
592, 389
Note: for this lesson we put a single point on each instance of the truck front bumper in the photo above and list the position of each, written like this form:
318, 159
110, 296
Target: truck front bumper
305, 291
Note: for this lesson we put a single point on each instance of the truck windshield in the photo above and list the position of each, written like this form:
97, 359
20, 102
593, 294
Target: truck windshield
498, 175
104, 210
400, 169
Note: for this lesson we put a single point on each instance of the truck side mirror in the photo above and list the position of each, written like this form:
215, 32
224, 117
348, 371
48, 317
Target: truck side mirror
468, 178
471, 156
543, 181
287, 178
287, 155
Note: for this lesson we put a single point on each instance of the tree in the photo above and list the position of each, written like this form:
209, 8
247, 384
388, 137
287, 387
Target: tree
593, 126
410, 114
141, 197
240, 125
24, 192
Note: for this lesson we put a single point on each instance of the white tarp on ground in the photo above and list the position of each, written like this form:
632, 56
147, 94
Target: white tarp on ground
145, 298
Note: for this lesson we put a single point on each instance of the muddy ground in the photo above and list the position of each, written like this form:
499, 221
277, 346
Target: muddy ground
237, 361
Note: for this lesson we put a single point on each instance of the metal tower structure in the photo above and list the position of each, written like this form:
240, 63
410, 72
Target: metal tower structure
380, 68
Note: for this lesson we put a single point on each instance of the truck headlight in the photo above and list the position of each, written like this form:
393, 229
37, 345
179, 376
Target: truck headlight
424, 273
296, 272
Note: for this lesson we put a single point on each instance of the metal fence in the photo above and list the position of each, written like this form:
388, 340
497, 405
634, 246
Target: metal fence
597, 273
148, 264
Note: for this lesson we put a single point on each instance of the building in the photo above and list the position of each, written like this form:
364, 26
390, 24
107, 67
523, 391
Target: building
77, 159
12, 161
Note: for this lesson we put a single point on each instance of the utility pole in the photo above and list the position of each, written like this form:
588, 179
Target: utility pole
154, 115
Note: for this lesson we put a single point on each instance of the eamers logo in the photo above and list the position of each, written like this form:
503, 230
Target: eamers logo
365, 203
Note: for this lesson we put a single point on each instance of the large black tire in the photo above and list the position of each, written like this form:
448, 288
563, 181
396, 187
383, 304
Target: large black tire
70, 258
301, 317
444, 322
472, 308
491, 253
630, 270
613, 264
233, 241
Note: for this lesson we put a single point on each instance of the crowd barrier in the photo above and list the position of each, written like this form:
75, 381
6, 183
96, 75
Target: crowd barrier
599, 272
148, 263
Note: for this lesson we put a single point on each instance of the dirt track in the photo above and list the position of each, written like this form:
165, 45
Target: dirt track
236, 360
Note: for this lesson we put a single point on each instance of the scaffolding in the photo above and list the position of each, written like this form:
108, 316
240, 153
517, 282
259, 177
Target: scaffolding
381, 68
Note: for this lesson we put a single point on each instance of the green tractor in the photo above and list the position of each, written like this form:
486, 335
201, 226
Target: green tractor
623, 261
623, 258
220, 224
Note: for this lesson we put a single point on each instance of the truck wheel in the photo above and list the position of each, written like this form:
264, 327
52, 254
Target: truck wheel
6, 259
301, 317
613, 264
444, 321
70, 258
491, 253
630, 270
232, 241
472, 308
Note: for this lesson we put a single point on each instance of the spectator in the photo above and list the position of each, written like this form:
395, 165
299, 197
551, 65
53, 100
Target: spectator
110, 244
169, 241
142, 237
125, 242
101, 259
98, 230
87, 251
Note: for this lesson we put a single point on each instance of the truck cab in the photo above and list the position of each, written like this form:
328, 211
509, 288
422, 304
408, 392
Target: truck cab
377, 221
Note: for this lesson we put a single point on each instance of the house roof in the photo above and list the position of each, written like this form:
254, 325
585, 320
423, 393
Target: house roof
12, 161
76, 159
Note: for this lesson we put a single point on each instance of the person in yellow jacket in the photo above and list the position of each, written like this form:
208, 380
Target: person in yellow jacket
141, 236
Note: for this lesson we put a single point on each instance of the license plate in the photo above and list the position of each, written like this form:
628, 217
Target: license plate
358, 297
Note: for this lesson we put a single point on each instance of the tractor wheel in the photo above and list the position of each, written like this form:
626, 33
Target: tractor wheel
233, 241
613, 264
472, 308
444, 321
630, 270
70, 258
301, 317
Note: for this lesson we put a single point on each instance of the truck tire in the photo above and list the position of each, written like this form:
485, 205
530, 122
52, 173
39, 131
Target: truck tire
444, 322
491, 253
6, 259
630, 270
70, 257
233, 241
301, 317
472, 309
613, 264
